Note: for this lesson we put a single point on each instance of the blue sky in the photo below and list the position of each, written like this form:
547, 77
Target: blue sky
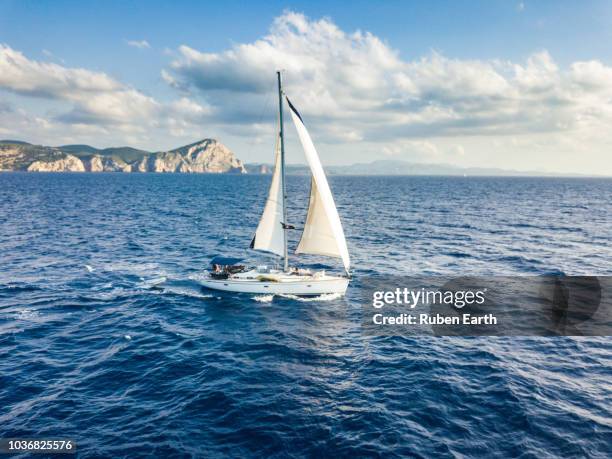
474, 29
480, 83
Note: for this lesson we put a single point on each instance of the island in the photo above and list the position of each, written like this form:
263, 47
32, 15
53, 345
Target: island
205, 156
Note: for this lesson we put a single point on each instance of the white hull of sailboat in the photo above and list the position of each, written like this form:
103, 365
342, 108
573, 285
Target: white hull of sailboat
301, 287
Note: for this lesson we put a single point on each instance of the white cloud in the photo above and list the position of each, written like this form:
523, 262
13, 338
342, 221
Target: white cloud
92, 102
420, 150
592, 76
95, 97
358, 96
25, 76
359, 85
141, 44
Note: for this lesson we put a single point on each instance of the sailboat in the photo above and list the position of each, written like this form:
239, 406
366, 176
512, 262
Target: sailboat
322, 233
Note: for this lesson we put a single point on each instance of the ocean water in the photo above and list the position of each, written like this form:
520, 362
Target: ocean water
107, 338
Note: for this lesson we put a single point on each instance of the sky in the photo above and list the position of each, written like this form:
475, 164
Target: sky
524, 85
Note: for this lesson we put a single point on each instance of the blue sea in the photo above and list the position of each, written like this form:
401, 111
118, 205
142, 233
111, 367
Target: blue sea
107, 338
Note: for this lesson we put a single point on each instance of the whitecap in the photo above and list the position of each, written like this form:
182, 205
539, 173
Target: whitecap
187, 292
307, 299
198, 276
263, 298
150, 283
26, 314
157, 280
136, 269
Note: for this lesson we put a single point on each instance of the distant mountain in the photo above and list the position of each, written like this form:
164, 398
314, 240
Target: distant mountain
79, 150
16, 155
205, 156
16, 142
398, 167
264, 168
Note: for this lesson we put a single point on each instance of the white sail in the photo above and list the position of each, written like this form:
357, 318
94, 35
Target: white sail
269, 236
323, 234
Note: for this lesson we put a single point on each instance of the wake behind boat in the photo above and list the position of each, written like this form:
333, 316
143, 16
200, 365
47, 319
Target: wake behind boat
322, 234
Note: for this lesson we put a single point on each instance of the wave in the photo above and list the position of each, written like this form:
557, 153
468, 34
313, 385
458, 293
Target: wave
152, 283
188, 292
304, 299
26, 314
12, 288
263, 298
308, 299
212, 363
137, 269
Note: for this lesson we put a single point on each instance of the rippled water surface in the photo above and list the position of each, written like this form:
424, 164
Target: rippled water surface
106, 337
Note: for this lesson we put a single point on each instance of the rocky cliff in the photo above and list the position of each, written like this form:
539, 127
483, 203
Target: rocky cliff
68, 163
206, 156
98, 163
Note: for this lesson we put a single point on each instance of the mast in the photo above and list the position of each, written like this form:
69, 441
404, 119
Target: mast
282, 149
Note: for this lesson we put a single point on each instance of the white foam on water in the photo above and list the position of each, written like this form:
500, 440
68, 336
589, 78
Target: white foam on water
198, 276
26, 314
136, 269
150, 283
109, 295
156, 281
187, 292
263, 298
308, 299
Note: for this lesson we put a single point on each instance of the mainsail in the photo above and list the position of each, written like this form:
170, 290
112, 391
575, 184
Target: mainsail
269, 236
323, 234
